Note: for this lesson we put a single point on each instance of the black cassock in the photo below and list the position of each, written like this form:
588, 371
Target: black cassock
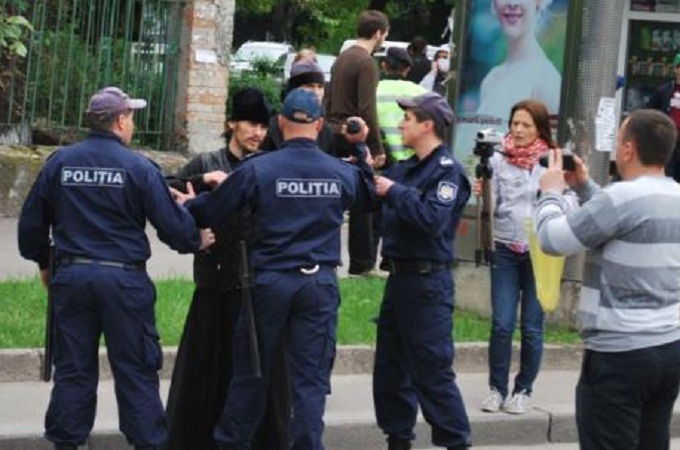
203, 368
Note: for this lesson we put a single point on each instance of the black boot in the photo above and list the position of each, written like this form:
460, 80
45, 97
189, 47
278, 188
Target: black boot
398, 444
65, 447
146, 447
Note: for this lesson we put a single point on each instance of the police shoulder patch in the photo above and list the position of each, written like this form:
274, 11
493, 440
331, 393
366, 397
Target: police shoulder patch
446, 191
445, 161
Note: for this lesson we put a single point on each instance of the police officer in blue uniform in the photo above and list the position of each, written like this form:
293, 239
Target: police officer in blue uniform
298, 195
423, 200
95, 197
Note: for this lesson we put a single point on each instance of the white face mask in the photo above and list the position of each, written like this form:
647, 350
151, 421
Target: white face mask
443, 64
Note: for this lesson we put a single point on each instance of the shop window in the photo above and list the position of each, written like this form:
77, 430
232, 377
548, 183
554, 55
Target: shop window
652, 45
659, 6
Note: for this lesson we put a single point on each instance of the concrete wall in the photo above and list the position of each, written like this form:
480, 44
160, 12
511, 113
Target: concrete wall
473, 293
19, 165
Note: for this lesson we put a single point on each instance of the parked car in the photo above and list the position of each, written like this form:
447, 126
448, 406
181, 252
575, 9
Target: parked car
325, 61
253, 50
382, 51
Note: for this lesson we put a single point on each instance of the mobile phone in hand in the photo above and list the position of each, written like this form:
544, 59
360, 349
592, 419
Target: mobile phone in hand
568, 163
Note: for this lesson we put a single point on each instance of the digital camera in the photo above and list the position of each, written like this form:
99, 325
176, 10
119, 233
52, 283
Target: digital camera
486, 142
568, 163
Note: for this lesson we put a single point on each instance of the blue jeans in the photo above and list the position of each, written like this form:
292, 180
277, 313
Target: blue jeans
512, 284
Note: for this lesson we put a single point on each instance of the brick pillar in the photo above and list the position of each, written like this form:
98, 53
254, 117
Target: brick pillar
203, 74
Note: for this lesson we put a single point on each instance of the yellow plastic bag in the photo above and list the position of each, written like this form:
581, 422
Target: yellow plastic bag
547, 271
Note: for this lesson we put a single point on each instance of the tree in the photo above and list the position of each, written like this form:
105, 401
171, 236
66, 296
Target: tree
325, 24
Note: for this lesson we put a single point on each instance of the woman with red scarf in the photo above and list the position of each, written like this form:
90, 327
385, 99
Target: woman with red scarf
515, 186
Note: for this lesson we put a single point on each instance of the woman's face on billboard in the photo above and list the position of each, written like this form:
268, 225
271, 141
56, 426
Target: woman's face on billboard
516, 17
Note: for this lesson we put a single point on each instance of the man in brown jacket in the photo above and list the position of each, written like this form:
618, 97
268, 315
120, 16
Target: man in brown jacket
352, 92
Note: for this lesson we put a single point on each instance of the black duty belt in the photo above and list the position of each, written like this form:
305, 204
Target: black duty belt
305, 270
415, 266
69, 260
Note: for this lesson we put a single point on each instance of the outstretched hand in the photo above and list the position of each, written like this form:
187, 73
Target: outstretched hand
382, 185
181, 197
214, 178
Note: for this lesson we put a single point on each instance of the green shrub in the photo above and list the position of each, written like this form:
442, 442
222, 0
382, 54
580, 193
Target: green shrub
268, 84
12, 31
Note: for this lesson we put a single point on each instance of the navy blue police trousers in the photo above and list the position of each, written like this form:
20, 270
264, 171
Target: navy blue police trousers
414, 357
89, 300
300, 309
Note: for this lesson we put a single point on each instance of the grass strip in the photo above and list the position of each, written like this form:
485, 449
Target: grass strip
22, 314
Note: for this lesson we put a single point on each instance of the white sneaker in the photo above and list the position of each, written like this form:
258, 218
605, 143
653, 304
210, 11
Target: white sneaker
493, 402
518, 404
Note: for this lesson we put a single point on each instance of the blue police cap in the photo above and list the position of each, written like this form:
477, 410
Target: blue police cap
301, 106
431, 103
112, 100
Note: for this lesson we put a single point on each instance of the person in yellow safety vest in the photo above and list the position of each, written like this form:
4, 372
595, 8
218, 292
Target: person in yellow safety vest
395, 66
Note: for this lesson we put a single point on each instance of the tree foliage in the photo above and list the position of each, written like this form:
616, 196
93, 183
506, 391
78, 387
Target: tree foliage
325, 24
12, 31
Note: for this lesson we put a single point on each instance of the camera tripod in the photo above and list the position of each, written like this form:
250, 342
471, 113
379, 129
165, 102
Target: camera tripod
485, 247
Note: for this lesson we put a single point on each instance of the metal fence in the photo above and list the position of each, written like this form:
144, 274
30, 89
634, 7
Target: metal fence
80, 46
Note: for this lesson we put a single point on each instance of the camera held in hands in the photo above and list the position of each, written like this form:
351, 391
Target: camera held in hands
353, 126
567, 162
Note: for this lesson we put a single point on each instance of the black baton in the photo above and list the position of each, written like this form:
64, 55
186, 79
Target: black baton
248, 314
46, 372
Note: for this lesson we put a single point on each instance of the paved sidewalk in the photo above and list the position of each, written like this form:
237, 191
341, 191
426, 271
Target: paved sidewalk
675, 445
164, 262
350, 423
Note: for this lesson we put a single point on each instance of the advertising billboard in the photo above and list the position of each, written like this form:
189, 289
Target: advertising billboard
513, 50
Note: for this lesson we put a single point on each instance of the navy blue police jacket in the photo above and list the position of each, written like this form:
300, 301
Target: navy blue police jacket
96, 196
423, 207
298, 196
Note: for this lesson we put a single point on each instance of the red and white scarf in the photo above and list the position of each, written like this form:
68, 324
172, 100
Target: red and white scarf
525, 157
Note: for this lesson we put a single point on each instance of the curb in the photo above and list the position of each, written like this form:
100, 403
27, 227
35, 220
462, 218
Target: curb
534, 428
25, 364
531, 429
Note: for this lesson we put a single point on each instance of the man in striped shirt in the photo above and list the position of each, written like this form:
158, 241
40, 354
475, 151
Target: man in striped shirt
629, 310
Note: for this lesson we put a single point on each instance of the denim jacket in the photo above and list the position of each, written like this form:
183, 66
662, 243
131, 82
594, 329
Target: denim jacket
515, 192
